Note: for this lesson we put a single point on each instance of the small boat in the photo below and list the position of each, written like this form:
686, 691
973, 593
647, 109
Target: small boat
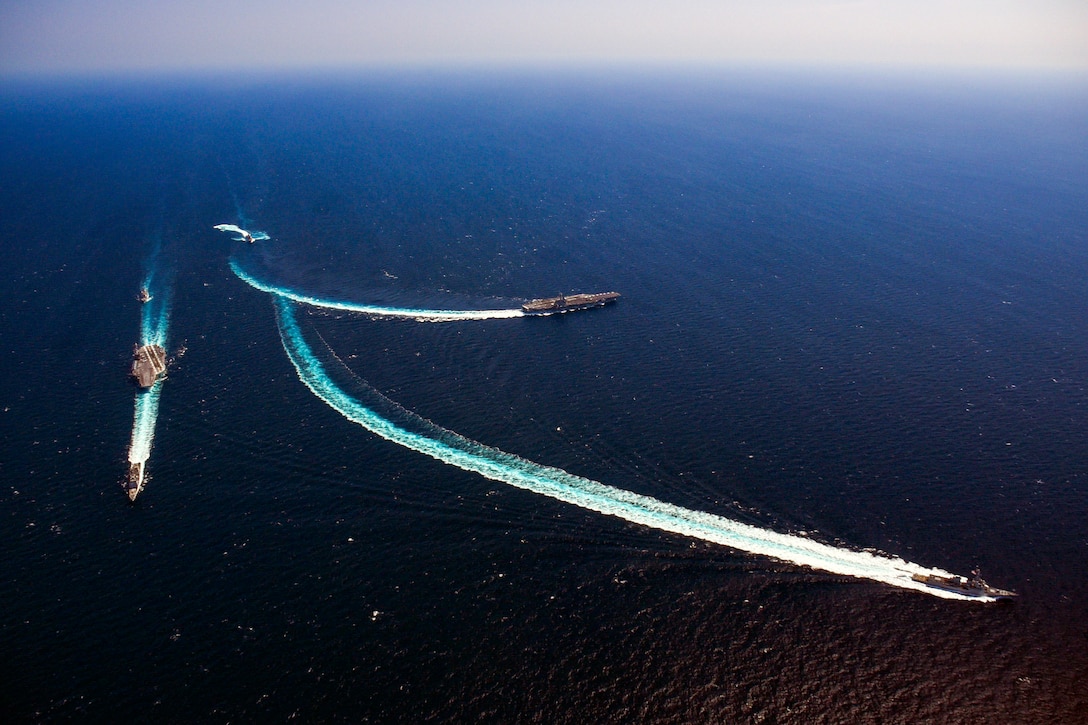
144, 295
568, 303
243, 235
972, 586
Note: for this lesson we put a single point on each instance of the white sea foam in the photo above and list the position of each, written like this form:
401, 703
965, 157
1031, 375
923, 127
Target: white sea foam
448, 447
374, 310
143, 424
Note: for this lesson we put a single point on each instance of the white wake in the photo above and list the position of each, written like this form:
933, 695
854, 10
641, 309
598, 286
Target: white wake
425, 437
373, 310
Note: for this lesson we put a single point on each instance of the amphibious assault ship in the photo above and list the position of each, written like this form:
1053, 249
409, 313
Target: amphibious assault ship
970, 587
568, 303
148, 363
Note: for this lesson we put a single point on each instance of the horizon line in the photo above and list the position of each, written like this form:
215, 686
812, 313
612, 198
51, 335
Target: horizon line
560, 67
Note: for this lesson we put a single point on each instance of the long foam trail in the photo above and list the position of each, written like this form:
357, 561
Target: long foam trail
154, 325
154, 314
375, 310
385, 418
143, 425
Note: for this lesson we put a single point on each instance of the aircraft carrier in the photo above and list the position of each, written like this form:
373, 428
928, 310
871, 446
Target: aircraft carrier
568, 303
148, 363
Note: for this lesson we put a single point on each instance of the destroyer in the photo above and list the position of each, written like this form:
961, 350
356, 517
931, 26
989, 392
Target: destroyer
134, 481
571, 303
969, 587
148, 363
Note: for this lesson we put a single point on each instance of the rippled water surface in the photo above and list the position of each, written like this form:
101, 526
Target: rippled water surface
853, 314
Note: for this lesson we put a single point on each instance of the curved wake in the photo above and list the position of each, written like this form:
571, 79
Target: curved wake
374, 310
400, 426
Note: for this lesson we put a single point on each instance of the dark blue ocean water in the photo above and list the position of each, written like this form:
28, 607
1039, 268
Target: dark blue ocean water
852, 307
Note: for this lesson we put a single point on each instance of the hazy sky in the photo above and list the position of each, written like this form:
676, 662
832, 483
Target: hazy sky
61, 36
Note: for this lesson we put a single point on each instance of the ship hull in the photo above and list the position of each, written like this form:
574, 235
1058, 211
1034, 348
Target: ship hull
134, 482
568, 303
966, 587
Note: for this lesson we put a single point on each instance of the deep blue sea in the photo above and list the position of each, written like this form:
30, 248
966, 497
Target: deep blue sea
854, 318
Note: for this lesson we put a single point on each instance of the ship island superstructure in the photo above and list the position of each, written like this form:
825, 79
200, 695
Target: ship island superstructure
568, 303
